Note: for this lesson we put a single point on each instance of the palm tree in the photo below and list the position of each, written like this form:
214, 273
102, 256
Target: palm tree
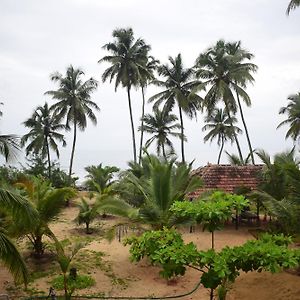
43, 135
9, 144
99, 178
238, 55
224, 72
234, 159
146, 77
293, 112
128, 61
178, 86
73, 96
9, 254
220, 126
48, 202
160, 125
292, 5
166, 184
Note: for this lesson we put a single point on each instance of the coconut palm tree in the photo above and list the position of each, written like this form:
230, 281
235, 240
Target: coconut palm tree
292, 5
161, 125
178, 86
293, 112
223, 71
74, 102
48, 202
238, 56
9, 254
128, 61
147, 75
220, 128
43, 135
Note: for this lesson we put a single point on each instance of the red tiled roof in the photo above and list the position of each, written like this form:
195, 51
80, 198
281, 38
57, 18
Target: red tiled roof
227, 177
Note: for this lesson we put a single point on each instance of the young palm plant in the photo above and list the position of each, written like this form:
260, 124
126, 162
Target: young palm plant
48, 202
221, 128
128, 58
44, 133
161, 125
9, 254
74, 102
100, 177
167, 183
178, 86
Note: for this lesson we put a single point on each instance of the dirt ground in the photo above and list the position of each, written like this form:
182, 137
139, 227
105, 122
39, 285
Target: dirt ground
109, 264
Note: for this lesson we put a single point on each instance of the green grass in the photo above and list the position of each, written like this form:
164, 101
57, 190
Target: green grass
81, 282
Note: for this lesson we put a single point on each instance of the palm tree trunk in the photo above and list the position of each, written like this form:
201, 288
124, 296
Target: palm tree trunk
132, 125
234, 133
246, 129
73, 151
142, 124
49, 160
164, 152
219, 157
182, 134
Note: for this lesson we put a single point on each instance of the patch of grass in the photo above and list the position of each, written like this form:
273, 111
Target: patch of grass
81, 282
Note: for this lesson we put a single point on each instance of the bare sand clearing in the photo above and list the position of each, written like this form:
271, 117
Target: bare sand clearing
119, 277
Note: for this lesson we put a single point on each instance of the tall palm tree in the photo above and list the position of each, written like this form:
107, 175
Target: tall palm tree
220, 126
238, 56
224, 72
147, 75
292, 5
43, 135
293, 112
74, 102
161, 125
128, 59
178, 85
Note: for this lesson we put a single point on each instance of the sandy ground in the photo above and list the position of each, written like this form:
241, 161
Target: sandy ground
120, 277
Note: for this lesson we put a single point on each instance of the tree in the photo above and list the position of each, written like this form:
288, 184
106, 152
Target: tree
167, 249
9, 254
293, 120
100, 177
292, 5
48, 202
9, 144
234, 159
224, 72
128, 61
146, 77
160, 125
166, 184
221, 128
44, 133
178, 86
73, 96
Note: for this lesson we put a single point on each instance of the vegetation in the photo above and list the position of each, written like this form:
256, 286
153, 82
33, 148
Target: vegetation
73, 96
160, 125
167, 249
43, 135
48, 202
221, 127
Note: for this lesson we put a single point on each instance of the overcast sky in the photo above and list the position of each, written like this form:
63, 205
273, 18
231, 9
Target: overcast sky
40, 37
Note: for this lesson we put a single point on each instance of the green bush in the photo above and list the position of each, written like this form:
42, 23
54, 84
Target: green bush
81, 282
